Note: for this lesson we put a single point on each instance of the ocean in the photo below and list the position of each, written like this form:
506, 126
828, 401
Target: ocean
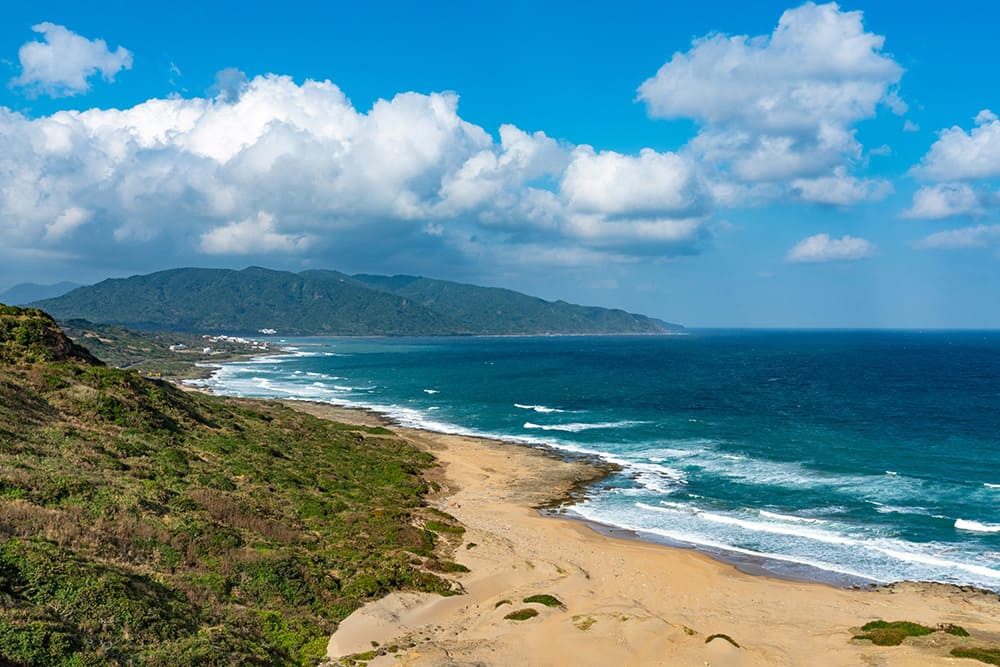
844, 456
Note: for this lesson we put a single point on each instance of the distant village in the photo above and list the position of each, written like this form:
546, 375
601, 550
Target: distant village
255, 345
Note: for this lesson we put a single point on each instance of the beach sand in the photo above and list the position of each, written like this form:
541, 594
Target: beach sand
626, 602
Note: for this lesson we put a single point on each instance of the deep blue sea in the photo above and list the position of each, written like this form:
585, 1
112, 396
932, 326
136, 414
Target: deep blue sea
871, 455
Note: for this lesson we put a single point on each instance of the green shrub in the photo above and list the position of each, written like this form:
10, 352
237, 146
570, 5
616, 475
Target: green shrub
521, 615
951, 629
991, 656
886, 633
545, 599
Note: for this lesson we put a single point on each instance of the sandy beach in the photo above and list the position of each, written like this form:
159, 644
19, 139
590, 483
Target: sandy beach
624, 602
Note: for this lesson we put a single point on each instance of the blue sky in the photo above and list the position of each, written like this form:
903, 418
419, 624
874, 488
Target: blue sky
721, 164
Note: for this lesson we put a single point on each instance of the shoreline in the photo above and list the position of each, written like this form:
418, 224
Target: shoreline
758, 565
767, 565
624, 600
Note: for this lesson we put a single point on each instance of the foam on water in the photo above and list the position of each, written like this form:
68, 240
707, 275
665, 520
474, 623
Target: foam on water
977, 526
537, 408
788, 517
577, 427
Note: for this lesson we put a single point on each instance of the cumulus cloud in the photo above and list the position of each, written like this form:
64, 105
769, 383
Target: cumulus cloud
64, 62
841, 189
979, 236
822, 248
621, 185
945, 200
960, 155
253, 235
780, 106
271, 166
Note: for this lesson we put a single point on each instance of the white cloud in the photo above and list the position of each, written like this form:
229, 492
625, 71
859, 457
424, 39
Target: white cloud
653, 198
960, 155
66, 222
779, 106
910, 126
840, 189
253, 235
180, 176
944, 200
818, 67
979, 236
63, 63
822, 248
651, 184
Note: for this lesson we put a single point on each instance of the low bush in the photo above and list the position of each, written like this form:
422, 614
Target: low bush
545, 599
991, 656
892, 633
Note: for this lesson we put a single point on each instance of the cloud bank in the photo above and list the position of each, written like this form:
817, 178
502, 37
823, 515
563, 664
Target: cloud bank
268, 165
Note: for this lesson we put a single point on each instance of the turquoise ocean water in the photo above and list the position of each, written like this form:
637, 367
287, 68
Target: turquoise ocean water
829, 455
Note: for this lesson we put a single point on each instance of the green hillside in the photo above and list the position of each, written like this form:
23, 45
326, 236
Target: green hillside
328, 303
151, 353
222, 300
141, 524
503, 311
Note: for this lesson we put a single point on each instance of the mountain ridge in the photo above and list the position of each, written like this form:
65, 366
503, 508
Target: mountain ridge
327, 302
24, 293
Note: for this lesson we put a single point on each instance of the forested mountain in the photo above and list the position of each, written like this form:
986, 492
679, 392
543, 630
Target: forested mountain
329, 303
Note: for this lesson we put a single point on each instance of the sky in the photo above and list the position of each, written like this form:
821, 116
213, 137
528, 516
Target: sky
716, 164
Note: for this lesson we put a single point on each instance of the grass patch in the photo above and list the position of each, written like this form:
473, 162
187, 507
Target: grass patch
722, 636
501, 603
584, 622
441, 527
358, 659
991, 656
952, 629
521, 615
892, 633
446, 566
545, 599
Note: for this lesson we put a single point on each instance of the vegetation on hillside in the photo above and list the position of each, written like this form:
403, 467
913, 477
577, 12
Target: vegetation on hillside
328, 303
140, 524
503, 311
150, 352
